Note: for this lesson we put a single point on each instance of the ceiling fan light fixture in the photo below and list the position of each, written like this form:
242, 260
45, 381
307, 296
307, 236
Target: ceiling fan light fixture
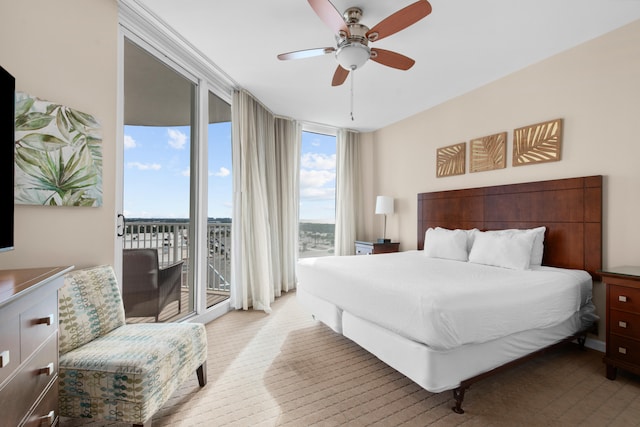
352, 56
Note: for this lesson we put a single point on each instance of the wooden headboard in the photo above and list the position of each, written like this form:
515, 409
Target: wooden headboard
571, 209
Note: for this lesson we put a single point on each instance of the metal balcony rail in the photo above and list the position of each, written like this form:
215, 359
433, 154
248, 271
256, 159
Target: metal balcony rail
171, 239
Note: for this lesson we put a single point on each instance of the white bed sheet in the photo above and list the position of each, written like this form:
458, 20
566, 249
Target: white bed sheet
441, 303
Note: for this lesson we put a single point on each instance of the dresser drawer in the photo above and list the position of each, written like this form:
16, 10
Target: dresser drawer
38, 323
624, 324
31, 380
623, 349
45, 412
9, 347
624, 298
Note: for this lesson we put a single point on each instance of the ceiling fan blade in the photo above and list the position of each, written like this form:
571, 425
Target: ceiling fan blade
391, 59
339, 76
307, 53
330, 16
399, 20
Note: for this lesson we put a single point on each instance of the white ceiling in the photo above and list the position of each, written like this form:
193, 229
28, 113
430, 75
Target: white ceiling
461, 45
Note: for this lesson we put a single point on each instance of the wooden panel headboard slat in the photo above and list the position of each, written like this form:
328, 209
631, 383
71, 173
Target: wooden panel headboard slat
570, 208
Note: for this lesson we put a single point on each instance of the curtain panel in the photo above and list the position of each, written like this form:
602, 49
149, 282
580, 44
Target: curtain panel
266, 152
348, 190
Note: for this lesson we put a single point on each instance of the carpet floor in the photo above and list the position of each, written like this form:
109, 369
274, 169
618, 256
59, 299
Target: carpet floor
285, 369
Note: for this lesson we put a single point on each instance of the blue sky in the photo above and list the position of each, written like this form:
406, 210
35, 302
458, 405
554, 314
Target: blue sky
156, 173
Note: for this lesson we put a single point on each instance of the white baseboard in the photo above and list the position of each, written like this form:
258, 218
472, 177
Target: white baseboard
594, 344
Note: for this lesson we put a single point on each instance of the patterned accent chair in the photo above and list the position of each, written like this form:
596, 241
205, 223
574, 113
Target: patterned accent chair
112, 371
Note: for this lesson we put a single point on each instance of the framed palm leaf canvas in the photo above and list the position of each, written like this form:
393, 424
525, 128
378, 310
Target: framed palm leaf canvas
537, 143
58, 155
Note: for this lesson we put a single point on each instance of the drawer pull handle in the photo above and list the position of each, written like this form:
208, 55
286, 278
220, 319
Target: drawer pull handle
622, 298
48, 419
622, 324
45, 320
622, 350
4, 358
47, 370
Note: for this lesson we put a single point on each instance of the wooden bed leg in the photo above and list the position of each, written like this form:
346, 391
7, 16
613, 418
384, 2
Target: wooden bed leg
458, 395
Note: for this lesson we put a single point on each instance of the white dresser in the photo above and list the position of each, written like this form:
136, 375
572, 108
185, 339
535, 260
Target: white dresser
29, 345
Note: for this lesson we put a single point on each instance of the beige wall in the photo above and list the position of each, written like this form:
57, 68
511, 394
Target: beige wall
65, 51
594, 87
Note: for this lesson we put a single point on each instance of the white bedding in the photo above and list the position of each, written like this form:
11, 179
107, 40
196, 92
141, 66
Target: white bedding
442, 303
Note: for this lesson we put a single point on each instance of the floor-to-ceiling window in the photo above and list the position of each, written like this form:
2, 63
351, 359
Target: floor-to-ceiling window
219, 201
317, 215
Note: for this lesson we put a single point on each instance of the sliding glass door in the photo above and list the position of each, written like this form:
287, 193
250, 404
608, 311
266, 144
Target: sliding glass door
159, 143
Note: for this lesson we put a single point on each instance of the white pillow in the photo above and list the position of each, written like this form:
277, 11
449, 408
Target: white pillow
471, 235
508, 250
445, 243
537, 249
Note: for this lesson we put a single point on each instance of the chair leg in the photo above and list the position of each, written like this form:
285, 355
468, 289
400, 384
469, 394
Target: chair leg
202, 374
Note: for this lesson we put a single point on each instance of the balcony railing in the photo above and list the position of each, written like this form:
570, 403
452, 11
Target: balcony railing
171, 239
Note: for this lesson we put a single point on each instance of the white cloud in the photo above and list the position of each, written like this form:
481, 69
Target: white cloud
315, 178
185, 172
177, 139
318, 161
313, 184
144, 166
129, 142
222, 172
311, 193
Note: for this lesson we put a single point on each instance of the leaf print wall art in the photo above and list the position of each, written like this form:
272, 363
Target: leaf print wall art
451, 160
488, 153
58, 155
537, 143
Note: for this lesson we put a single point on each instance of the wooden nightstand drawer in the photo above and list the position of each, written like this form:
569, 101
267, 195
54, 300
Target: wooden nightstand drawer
624, 349
624, 298
625, 324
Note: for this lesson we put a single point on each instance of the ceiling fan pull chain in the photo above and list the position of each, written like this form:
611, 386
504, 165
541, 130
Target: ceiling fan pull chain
352, 73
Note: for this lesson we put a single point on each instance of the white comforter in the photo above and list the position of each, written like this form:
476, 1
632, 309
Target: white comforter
444, 303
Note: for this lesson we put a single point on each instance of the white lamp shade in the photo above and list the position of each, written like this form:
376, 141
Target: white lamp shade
384, 205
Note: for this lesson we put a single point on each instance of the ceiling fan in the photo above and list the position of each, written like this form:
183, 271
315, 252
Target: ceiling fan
352, 50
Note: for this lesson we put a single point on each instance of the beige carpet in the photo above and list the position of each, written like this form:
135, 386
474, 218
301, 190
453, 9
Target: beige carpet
285, 369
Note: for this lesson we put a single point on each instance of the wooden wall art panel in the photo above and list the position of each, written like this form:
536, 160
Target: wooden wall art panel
488, 153
537, 143
451, 160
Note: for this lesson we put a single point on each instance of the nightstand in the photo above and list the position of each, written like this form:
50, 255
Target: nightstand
370, 248
623, 319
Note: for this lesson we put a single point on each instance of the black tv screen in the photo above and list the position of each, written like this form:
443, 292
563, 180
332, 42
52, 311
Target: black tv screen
7, 154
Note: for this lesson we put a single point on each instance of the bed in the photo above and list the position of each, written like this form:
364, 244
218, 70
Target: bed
449, 313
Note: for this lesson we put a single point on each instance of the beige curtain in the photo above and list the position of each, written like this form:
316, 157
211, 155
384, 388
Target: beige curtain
288, 142
348, 190
264, 225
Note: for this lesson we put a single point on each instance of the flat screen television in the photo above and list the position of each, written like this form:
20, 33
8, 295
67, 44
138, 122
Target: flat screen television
7, 157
